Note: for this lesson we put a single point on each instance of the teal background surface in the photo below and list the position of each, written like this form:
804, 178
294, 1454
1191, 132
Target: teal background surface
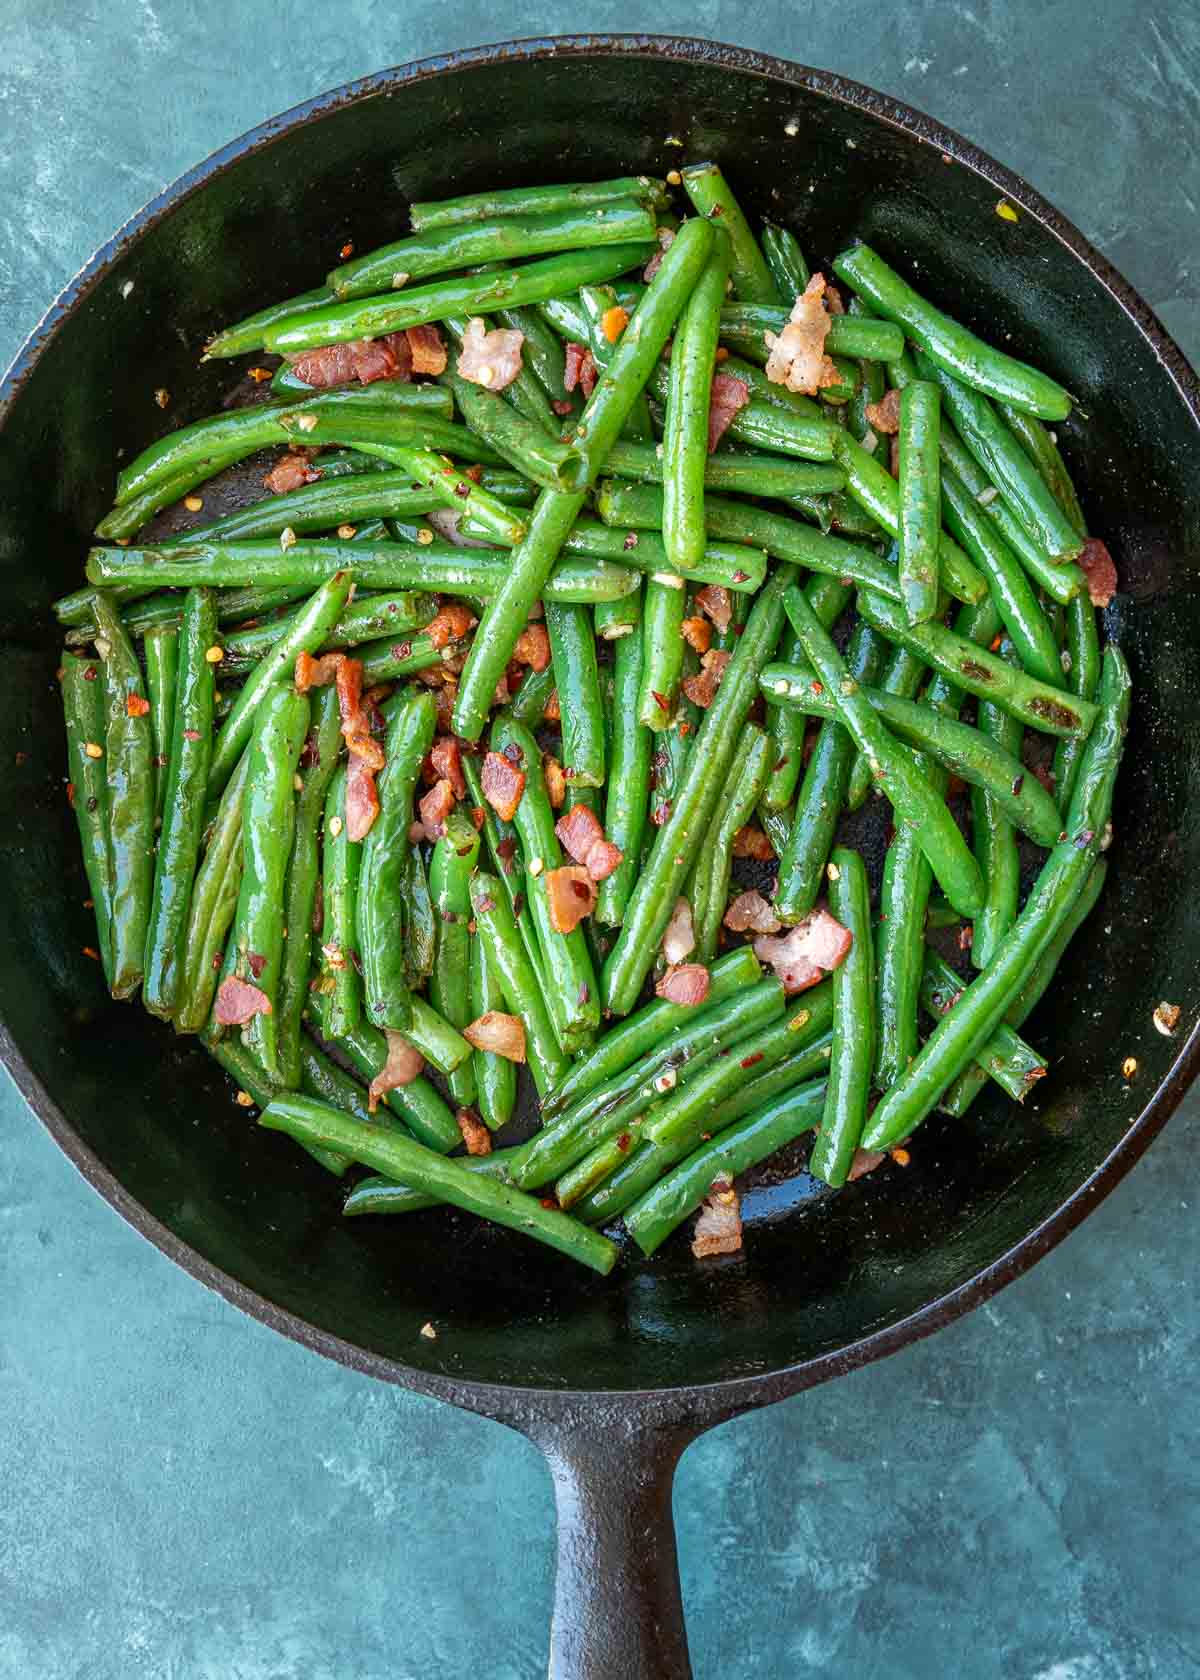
186, 1496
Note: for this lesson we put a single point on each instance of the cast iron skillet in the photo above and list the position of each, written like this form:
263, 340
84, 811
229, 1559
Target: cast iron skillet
612, 1377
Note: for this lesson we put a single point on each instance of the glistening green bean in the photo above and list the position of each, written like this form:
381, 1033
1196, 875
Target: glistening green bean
214, 900
573, 647
533, 201
520, 985
418, 1104
853, 1051
495, 1076
340, 861
685, 441
83, 708
920, 501
454, 857
128, 753
628, 780
752, 763
1014, 1065
711, 196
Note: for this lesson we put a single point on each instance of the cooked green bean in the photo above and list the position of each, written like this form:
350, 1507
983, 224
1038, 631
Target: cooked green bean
340, 861
495, 1076
860, 337
420, 945
685, 441
995, 841
390, 614
534, 201
731, 565
711, 196
454, 857
83, 708
547, 460
161, 649
786, 430
247, 335
920, 501
749, 474
214, 900
128, 755
1013, 1064
752, 764
662, 650
418, 1104
185, 789
382, 1195
787, 729
785, 259
504, 848
628, 780
573, 646
1042, 448
853, 1051
902, 673
520, 986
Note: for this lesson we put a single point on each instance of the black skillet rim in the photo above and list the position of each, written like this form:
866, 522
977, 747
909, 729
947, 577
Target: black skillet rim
706, 1403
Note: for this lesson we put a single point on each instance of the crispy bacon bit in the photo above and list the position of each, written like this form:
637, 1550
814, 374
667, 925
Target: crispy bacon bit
581, 369
427, 348
751, 842
728, 396
498, 1034
686, 985
661, 813
604, 857
556, 781
435, 808
136, 705
666, 238
363, 359
894, 458
798, 358
449, 625
446, 759
404, 1064
311, 672
806, 953
362, 799
1097, 564
570, 896
503, 784
697, 633
256, 963
474, 1133
563, 406
578, 831
491, 359
716, 602
750, 913
701, 689
533, 647
238, 1002
679, 937
289, 473
884, 415
865, 1161
719, 1227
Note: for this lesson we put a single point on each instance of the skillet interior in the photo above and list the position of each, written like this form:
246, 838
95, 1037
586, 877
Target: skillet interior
817, 1276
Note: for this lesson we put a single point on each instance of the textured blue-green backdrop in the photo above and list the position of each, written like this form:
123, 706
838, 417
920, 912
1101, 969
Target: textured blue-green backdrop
185, 1496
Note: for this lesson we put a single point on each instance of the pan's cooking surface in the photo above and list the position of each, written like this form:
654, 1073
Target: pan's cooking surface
820, 1273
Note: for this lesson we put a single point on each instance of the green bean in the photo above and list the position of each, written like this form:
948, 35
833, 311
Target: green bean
615, 621
711, 883
546, 459
915, 803
751, 474
454, 857
765, 391
468, 294
628, 782
381, 1195
128, 752
787, 729
711, 196
872, 389
247, 335
234, 606
214, 900
403, 1160
662, 651
325, 1081
386, 659
733, 566
1013, 1064
570, 981
185, 790
685, 441
420, 933
162, 663
520, 986
788, 430
743, 328
853, 1050
565, 317
678, 840
340, 861
1038, 705
998, 1056
1042, 448
951, 346
961, 1033
380, 904
920, 500
664, 1207
495, 1076
995, 843
586, 1142
365, 618
504, 849
488, 240
83, 709
532, 201
902, 674
785, 259
318, 763
305, 634
573, 645
417, 1103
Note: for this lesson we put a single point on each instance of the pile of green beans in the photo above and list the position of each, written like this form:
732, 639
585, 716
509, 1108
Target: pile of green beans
446, 760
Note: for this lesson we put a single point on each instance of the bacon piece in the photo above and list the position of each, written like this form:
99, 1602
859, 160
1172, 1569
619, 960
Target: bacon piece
570, 896
404, 1064
865, 1161
446, 759
362, 359
362, 799
502, 784
687, 984
311, 672
289, 473
498, 1034
556, 781
435, 808
427, 348
581, 369
604, 857
578, 831
1046, 777
751, 842
697, 633
798, 358
450, 624
884, 415
666, 238
679, 936
238, 1002
491, 359
551, 712
719, 1227
446, 696
716, 602
533, 647
701, 689
750, 913
728, 395
1097, 563
806, 953
474, 1133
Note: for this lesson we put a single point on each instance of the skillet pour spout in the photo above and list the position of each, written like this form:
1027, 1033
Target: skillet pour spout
611, 1377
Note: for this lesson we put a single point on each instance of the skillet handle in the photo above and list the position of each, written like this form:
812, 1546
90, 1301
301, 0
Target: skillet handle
618, 1613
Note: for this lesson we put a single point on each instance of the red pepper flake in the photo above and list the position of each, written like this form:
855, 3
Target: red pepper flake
549, 1202
584, 994
136, 705
817, 687
661, 700
71, 794
90, 674
631, 541
191, 734
88, 951
347, 250
623, 1141
749, 1061
257, 963
966, 936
